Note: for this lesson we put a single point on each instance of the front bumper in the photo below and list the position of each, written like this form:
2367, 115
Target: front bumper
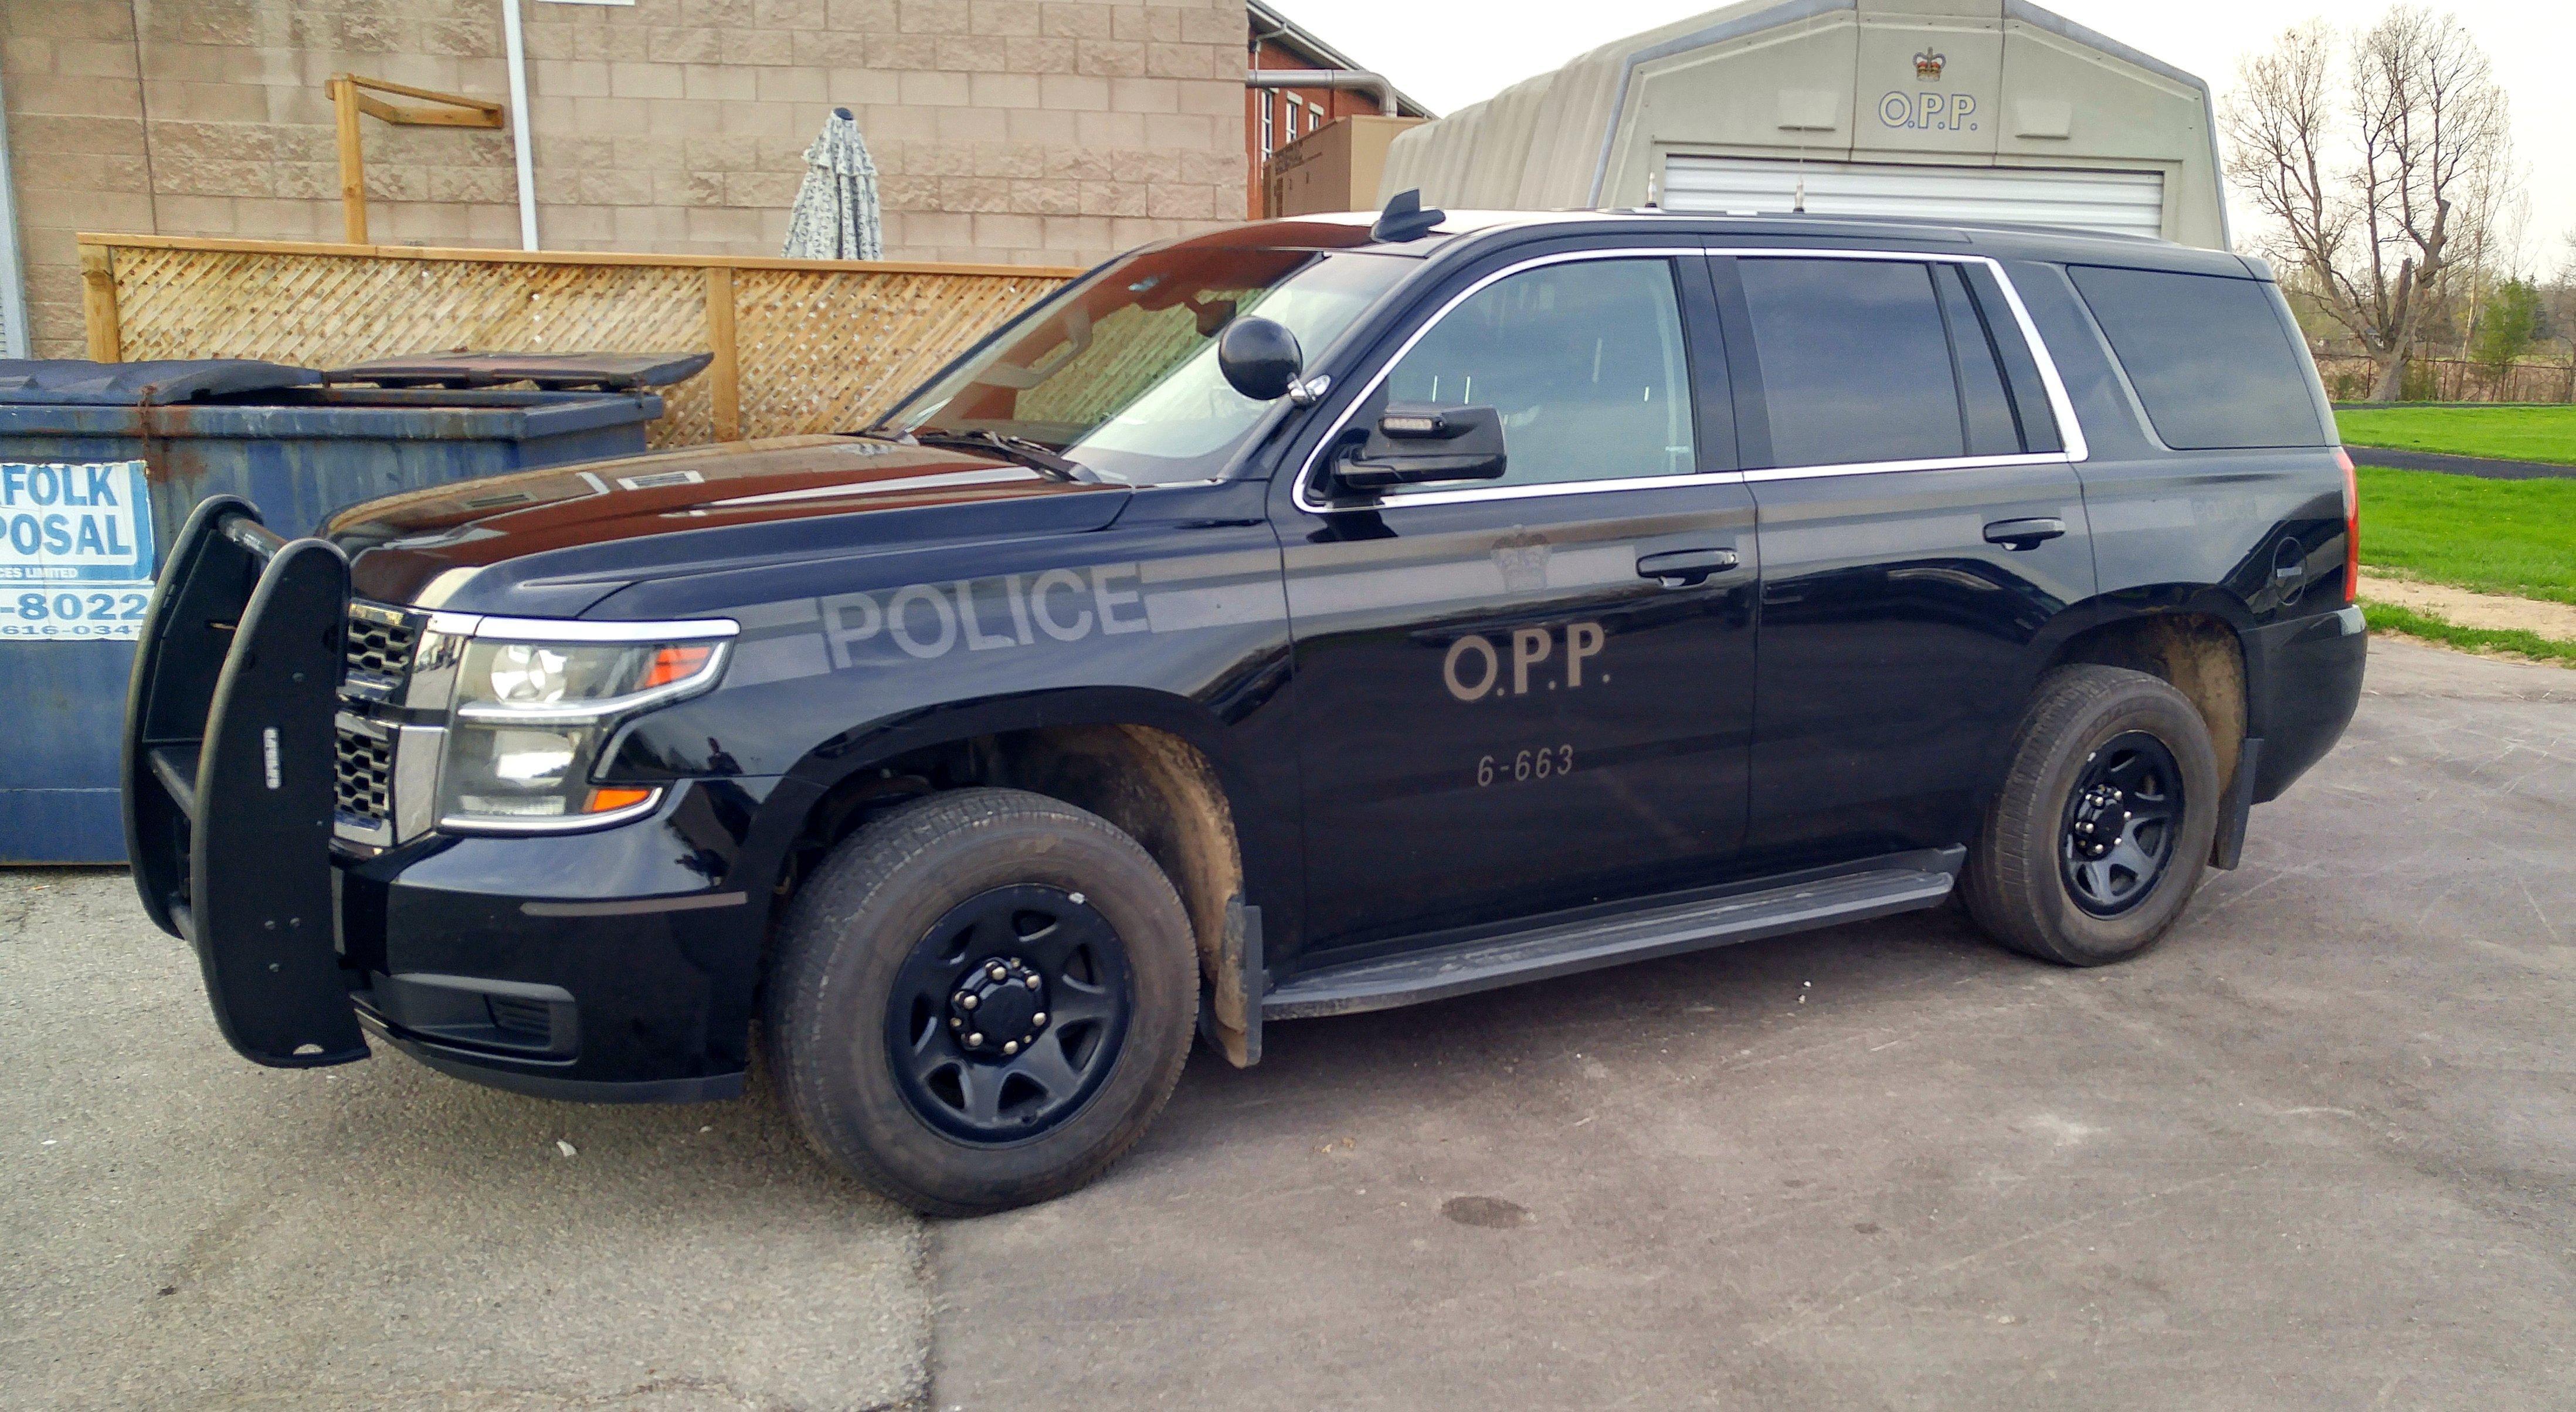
617, 965
614, 964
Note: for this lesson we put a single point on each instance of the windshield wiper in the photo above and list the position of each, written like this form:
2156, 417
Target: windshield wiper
1036, 455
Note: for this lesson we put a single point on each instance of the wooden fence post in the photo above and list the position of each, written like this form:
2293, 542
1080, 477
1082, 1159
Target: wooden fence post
98, 303
353, 162
724, 374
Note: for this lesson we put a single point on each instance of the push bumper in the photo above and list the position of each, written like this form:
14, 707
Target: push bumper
614, 965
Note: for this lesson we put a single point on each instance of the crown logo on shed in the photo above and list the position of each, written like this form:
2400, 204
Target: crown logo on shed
1927, 63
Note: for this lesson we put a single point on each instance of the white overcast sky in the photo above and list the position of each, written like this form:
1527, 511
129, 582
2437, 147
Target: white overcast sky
1449, 55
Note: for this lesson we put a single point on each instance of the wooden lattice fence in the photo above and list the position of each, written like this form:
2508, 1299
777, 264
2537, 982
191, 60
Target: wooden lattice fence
799, 345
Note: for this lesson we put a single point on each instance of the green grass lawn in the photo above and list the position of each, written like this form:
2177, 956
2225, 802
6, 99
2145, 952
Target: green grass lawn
2514, 537
2507, 433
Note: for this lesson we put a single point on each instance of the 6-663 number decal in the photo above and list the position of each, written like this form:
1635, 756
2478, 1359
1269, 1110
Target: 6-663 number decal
92, 610
1537, 763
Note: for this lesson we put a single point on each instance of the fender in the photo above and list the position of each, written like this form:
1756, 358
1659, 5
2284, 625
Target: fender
1265, 819
2138, 604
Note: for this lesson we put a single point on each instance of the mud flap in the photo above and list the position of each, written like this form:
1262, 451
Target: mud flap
1230, 1002
2236, 810
242, 780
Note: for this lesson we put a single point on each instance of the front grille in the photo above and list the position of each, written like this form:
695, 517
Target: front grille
378, 647
364, 775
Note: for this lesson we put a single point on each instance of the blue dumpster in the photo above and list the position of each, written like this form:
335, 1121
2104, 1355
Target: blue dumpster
100, 464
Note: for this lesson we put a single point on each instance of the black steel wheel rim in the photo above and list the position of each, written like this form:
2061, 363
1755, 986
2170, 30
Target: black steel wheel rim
1008, 1014
2122, 823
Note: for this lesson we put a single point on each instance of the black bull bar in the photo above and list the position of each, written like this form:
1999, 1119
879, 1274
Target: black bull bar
229, 762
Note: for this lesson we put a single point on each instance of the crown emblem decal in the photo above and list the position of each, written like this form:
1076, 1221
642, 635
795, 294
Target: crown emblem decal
1927, 63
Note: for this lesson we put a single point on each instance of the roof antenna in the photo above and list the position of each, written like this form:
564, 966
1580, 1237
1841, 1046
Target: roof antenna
1406, 218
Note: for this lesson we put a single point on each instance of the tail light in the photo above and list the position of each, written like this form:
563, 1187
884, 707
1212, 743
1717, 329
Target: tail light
2351, 527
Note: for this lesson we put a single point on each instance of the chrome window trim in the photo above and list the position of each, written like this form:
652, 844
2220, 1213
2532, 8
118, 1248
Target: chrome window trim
2060, 404
580, 630
1301, 494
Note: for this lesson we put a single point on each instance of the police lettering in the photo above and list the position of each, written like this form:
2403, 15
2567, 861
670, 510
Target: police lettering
923, 620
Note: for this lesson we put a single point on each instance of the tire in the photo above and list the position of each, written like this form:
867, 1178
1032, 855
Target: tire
874, 960
2034, 881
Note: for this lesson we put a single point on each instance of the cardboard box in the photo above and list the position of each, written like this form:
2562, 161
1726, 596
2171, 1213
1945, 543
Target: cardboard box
1334, 168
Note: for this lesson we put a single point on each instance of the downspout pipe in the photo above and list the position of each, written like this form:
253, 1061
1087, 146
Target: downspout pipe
515, 45
1349, 80
13, 274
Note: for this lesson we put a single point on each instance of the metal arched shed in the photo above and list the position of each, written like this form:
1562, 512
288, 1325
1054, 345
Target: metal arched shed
1981, 110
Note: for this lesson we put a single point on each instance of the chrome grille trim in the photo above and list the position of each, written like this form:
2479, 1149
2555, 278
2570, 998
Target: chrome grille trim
363, 775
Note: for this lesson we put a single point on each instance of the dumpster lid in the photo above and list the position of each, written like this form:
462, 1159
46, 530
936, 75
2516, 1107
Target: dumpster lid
614, 372
78, 382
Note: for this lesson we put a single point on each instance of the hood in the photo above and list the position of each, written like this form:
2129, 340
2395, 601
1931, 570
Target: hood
553, 542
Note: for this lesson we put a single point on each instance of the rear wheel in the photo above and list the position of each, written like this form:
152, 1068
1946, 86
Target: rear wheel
981, 1000
2096, 841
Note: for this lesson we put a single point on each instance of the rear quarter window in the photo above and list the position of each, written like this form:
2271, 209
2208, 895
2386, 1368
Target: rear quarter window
2211, 357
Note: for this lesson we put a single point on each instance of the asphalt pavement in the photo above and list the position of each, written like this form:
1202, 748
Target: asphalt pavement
2319, 1150
2488, 467
187, 1230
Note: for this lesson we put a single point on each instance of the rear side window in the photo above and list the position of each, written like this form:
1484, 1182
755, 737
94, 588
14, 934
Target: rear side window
2210, 357
1887, 360
1855, 362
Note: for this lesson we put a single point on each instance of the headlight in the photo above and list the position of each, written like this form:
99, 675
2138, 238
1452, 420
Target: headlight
534, 702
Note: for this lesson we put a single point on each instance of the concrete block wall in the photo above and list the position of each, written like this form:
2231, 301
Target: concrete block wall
1026, 131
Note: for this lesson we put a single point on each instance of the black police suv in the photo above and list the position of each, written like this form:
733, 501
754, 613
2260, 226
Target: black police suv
1303, 618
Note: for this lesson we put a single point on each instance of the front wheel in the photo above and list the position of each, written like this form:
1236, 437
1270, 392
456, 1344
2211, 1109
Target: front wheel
981, 999
2096, 841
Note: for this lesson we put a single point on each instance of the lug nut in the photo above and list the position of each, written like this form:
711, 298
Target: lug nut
1010, 1046
955, 1023
975, 1038
1032, 982
968, 1001
1037, 1019
995, 971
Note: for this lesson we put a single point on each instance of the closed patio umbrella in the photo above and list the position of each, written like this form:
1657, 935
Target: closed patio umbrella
835, 215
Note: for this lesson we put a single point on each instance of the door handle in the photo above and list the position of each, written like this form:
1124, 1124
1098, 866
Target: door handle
1684, 567
2025, 534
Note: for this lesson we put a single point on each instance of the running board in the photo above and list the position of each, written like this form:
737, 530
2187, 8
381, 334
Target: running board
1564, 948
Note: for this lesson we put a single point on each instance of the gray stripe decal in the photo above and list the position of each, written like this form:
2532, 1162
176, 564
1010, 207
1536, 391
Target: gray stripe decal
632, 907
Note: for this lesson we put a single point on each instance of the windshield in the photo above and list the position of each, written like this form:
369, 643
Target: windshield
1118, 372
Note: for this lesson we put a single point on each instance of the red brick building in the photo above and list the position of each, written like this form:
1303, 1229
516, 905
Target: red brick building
1275, 117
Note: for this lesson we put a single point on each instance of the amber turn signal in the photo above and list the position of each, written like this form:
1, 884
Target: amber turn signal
672, 664
615, 797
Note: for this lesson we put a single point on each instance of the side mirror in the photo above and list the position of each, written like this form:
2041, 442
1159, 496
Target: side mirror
1414, 443
1260, 357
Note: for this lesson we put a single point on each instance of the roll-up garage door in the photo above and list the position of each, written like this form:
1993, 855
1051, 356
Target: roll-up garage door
2121, 203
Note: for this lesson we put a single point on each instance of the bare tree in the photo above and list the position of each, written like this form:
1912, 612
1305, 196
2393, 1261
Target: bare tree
2376, 193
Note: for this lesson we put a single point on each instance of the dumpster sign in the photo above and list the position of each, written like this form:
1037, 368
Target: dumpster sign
76, 551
